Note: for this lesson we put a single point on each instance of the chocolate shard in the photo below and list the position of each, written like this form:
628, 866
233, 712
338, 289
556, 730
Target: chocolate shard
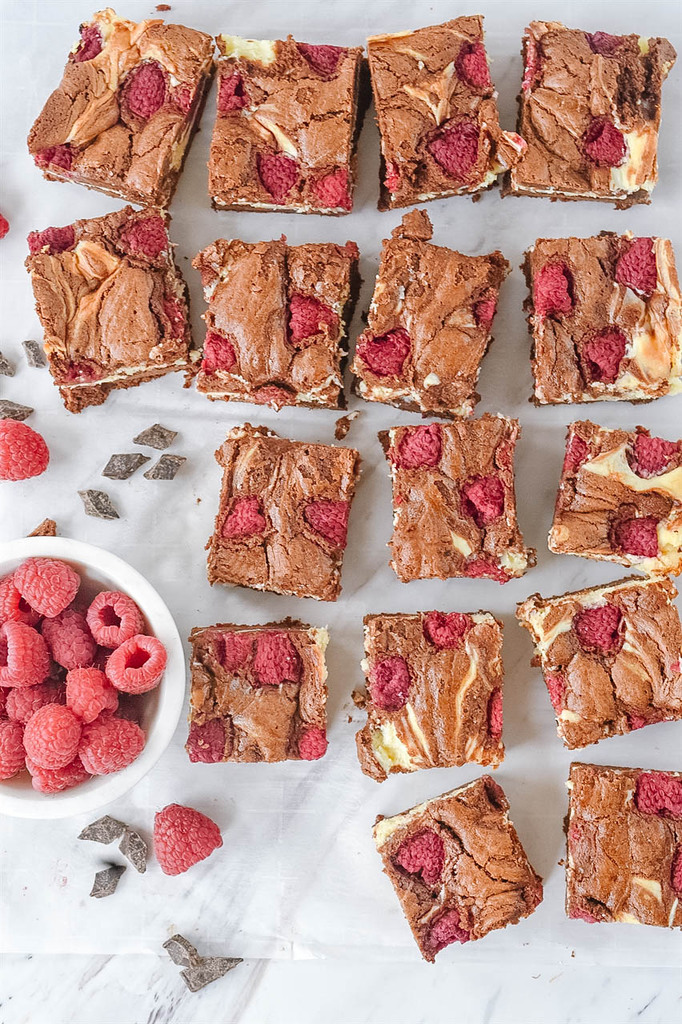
181, 951
98, 504
156, 436
104, 830
35, 356
209, 970
134, 848
6, 368
48, 528
13, 411
106, 881
122, 467
165, 468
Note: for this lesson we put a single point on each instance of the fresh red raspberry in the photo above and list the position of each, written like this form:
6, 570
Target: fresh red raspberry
48, 584
636, 536
68, 639
444, 931
553, 290
146, 237
55, 240
472, 66
323, 59
88, 693
312, 745
277, 660
144, 90
4, 226
603, 354
110, 744
556, 687
24, 701
56, 780
659, 793
329, 519
90, 44
333, 190
12, 753
385, 354
278, 174
23, 452
183, 837
603, 144
24, 657
603, 42
308, 317
231, 94
55, 156
483, 499
219, 353
206, 742
13, 608
650, 456
447, 632
495, 714
245, 519
533, 64
51, 736
113, 618
599, 628
676, 871
636, 267
174, 311
137, 665
577, 451
484, 311
234, 650
455, 148
422, 854
389, 684
418, 447
486, 568
392, 179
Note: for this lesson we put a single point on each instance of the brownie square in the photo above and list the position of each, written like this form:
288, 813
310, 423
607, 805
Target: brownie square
624, 832
458, 866
605, 316
620, 499
283, 514
610, 657
437, 113
589, 111
258, 693
454, 506
112, 303
128, 104
288, 117
429, 323
277, 321
434, 692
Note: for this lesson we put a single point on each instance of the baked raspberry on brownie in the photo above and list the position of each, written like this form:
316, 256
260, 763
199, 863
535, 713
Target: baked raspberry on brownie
624, 846
590, 111
610, 657
437, 112
130, 99
283, 514
284, 342
258, 693
112, 303
434, 692
620, 499
457, 866
454, 506
287, 122
429, 323
605, 315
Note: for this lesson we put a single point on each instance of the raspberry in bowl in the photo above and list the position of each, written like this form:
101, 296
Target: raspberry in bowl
92, 677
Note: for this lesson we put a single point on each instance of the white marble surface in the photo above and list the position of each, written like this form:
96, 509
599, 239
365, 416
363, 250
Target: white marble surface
298, 878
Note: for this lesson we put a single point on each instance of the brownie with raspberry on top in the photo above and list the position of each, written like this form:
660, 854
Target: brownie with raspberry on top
610, 656
434, 692
285, 341
624, 846
454, 505
437, 112
620, 499
287, 123
457, 866
258, 693
123, 116
590, 112
429, 323
282, 519
605, 315
112, 303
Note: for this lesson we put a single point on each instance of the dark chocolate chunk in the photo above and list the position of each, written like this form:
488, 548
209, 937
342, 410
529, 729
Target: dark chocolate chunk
48, 528
98, 504
181, 951
122, 467
209, 970
106, 881
13, 411
156, 437
104, 830
134, 849
35, 356
165, 468
6, 368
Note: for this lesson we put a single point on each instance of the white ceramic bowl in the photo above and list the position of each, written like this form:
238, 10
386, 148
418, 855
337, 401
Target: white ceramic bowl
100, 570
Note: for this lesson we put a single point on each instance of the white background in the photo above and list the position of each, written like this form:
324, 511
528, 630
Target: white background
298, 877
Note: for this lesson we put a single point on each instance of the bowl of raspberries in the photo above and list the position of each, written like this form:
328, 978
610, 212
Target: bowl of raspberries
92, 677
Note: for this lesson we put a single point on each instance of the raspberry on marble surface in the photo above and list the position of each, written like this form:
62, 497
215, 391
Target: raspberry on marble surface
23, 451
183, 837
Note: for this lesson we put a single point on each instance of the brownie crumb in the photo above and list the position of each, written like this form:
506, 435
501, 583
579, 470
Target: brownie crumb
106, 881
163, 7
48, 528
98, 504
156, 436
35, 355
166, 468
343, 425
122, 467
14, 411
6, 368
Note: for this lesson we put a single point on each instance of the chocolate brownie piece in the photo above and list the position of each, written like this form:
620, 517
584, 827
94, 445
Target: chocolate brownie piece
589, 111
620, 499
286, 129
624, 830
610, 657
258, 693
454, 507
437, 113
429, 323
283, 514
457, 866
112, 302
277, 321
128, 104
605, 315
434, 692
